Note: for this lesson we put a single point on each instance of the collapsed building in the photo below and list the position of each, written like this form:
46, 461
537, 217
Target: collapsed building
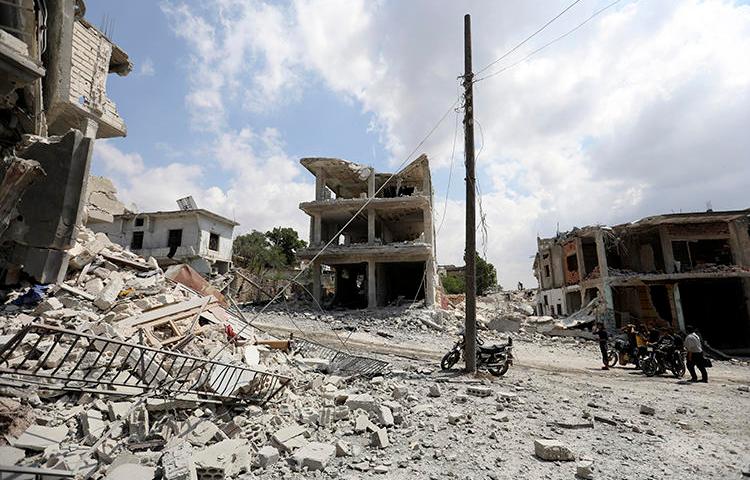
53, 105
665, 271
197, 237
385, 254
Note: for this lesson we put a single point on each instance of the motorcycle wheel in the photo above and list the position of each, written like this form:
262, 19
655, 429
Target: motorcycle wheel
678, 366
499, 371
612, 358
449, 359
649, 367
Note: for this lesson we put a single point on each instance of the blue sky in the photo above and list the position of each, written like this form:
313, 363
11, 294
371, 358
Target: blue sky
227, 95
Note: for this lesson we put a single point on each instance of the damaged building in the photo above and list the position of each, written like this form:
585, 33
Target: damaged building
197, 237
386, 254
53, 105
666, 271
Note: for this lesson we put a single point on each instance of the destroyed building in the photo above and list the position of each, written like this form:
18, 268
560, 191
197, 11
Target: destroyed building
197, 237
386, 254
665, 271
53, 105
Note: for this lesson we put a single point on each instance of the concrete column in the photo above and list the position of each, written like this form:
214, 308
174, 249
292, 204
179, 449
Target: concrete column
312, 231
320, 186
601, 253
318, 229
427, 220
429, 282
666, 249
678, 307
371, 184
606, 288
372, 287
579, 256
371, 226
739, 241
317, 286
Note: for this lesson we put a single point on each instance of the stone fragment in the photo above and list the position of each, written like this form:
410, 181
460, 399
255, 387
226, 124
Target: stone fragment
379, 438
552, 450
54, 355
267, 456
325, 418
343, 449
177, 462
290, 437
314, 456
223, 460
11, 455
47, 305
479, 391
341, 412
119, 410
138, 423
199, 431
108, 296
399, 391
131, 471
572, 424
381, 469
37, 437
455, 417
93, 425
363, 423
585, 470
434, 391
647, 410
94, 286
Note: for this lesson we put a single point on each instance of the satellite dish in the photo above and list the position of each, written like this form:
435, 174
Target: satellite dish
187, 203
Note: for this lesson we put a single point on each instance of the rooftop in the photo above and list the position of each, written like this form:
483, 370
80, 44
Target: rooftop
177, 213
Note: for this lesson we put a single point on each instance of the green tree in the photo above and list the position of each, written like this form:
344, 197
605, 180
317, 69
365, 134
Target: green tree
287, 241
254, 251
453, 284
486, 276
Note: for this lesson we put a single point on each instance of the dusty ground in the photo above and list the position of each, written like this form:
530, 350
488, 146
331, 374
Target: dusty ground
699, 431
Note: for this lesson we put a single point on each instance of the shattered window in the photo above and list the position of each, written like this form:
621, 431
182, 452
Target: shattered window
213, 242
136, 242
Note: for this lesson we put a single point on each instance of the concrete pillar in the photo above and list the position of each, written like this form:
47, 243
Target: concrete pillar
317, 285
666, 249
372, 287
606, 288
371, 184
429, 282
371, 226
678, 307
601, 253
312, 231
579, 256
318, 229
427, 220
320, 187
739, 241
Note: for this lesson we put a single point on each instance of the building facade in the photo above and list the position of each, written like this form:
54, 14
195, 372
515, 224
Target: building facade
199, 238
666, 271
385, 254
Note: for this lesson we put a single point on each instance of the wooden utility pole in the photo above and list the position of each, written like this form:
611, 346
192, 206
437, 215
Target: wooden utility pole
470, 331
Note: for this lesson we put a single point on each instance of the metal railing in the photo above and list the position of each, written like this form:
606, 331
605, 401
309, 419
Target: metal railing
341, 362
59, 359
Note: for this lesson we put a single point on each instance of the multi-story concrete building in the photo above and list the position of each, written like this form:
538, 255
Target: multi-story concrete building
197, 237
385, 254
666, 271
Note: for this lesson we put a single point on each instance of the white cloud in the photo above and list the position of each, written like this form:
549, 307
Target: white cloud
644, 110
147, 68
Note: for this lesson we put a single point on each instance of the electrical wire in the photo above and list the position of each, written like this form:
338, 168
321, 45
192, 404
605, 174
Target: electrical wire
528, 38
450, 172
594, 15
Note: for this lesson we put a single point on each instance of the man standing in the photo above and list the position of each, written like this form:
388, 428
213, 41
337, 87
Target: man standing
603, 337
695, 355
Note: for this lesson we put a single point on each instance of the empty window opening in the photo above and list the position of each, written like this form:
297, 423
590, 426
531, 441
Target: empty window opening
400, 283
546, 270
546, 300
559, 309
717, 307
572, 262
136, 241
139, 222
573, 302
660, 300
697, 254
213, 242
590, 257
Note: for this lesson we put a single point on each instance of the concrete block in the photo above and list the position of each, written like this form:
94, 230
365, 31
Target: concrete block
48, 304
479, 391
585, 470
434, 391
93, 425
131, 471
177, 463
94, 286
325, 418
552, 450
108, 296
223, 460
37, 437
379, 438
199, 431
647, 410
290, 437
363, 424
11, 455
343, 449
138, 423
314, 456
118, 410
267, 456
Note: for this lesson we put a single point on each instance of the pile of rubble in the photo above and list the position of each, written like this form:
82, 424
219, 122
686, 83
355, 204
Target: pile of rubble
121, 372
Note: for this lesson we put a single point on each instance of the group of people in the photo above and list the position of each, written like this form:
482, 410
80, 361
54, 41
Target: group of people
639, 339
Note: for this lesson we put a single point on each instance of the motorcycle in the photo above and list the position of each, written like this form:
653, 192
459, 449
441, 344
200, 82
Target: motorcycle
666, 354
496, 358
620, 352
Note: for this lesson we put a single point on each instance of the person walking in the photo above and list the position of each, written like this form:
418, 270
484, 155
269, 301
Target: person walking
601, 332
695, 355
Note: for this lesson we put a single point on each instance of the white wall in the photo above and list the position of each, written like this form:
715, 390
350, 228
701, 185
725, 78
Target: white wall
208, 226
555, 296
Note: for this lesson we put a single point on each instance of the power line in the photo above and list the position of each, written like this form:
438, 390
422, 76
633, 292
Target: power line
529, 37
450, 172
595, 14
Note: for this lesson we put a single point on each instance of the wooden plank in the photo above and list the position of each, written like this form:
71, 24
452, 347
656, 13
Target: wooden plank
166, 311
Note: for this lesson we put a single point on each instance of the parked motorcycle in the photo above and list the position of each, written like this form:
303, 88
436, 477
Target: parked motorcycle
496, 358
666, 354
620, 352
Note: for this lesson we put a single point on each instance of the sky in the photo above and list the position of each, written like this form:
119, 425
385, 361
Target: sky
642, 110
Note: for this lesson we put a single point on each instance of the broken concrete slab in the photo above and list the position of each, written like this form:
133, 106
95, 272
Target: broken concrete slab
290, 437
267, 456
108, 296
379, 438
223, 460
177, 462
131, 471
37, 437
11, 455
314, 456
552, 450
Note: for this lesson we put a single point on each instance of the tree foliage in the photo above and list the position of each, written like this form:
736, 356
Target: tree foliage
486, 279
273, 249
